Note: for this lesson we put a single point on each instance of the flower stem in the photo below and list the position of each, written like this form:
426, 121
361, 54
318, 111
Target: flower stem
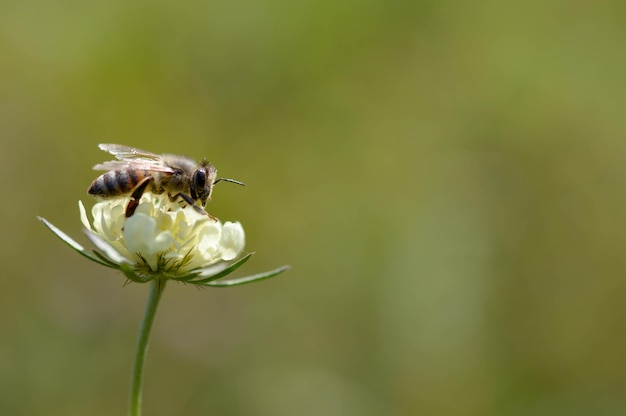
156, 289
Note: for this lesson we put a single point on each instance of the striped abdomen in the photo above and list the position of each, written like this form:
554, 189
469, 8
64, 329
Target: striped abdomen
117, 182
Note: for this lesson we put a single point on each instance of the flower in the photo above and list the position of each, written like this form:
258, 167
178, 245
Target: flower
163, 239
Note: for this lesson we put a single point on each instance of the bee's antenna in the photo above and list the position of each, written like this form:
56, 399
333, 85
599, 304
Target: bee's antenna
228, 180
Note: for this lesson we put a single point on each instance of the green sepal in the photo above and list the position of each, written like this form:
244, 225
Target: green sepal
228, 270
185, 278
129, 272
247, 279
73, 244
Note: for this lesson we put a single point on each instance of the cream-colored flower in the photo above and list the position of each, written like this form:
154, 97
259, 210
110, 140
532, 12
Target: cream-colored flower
161, 237
163, 240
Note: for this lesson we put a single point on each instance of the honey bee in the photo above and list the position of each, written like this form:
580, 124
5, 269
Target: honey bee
136, 171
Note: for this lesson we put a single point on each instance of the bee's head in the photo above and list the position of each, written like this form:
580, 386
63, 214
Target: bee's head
202, 182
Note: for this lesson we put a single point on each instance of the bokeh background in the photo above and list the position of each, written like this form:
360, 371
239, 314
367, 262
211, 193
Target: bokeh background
447, 180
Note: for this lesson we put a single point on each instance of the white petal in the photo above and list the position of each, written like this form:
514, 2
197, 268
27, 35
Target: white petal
233, 240
108, 250
83, 216
208, 238
162, 241
165, 222
139, 233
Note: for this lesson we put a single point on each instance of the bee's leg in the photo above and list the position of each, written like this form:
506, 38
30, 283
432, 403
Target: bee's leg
136, 196
191, 202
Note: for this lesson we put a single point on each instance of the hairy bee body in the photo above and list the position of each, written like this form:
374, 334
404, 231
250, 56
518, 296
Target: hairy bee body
137, 171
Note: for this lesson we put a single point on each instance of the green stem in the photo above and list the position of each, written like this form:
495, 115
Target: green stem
156, 289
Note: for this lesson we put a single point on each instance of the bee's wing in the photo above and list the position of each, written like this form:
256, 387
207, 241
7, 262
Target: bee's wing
136, 164
122, 152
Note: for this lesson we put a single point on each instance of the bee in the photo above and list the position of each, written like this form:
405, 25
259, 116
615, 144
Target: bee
136, 171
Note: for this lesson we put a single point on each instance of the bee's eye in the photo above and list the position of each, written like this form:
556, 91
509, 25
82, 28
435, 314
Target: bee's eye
199, 180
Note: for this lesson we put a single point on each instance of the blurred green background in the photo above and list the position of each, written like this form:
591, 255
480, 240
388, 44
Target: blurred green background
446, 179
